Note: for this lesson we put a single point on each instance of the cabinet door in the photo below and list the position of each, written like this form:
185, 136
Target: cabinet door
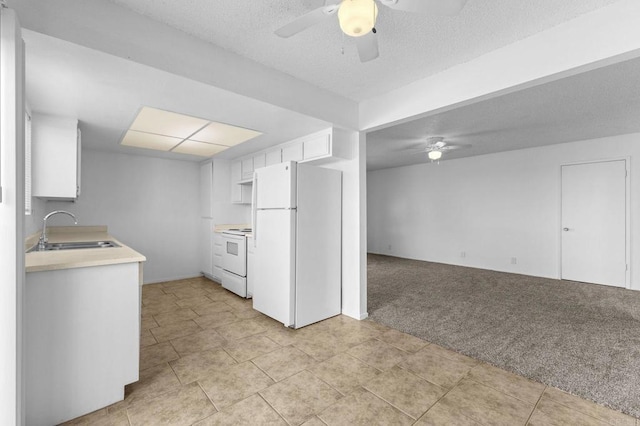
251, 264
78, 163
206, 246
236, 176
259, 161
317, 147
217, 256
55, 157
247, 168
206, 188
273, 157
292, 153
236, 171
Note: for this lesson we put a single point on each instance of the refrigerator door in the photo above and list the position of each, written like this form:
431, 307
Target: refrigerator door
275, 186
318, 244
274, 296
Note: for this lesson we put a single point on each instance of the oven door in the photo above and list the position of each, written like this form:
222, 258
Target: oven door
234, 254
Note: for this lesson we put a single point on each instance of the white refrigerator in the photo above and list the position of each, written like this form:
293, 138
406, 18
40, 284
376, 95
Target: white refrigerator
297, 231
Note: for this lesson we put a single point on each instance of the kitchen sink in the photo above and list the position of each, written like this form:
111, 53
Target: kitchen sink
74, 245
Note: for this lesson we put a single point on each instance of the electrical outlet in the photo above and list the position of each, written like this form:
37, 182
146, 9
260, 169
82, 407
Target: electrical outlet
514, 260
463, 254
389, 247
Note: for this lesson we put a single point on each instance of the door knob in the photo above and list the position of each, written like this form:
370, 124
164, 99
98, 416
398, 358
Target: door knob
565, 229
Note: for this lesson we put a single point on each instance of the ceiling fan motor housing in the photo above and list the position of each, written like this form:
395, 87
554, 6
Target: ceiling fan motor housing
357, 17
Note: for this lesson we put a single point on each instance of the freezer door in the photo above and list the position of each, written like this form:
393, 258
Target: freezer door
275, 186
274, 294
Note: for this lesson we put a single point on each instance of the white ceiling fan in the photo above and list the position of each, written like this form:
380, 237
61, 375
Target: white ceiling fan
436, 146
358, 18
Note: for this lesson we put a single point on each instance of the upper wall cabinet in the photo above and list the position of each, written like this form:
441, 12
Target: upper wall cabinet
273, 157
292, 152
240, 194
321, 147
55, 151
326, 146
247, 168
259, 161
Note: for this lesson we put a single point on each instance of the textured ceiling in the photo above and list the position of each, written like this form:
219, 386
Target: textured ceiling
599, 103
105, 93
411, 46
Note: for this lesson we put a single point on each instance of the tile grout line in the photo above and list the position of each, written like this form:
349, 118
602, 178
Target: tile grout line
210, 400
443, 395
503, 392
535, 406
269, 404
582, 412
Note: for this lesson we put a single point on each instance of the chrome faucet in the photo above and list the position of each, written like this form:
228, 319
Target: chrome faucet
43, 237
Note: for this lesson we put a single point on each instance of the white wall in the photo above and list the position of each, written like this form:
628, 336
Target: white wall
354, 272
491, 207
150, 204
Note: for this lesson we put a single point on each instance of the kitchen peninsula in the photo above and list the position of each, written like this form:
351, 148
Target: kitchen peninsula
82, 325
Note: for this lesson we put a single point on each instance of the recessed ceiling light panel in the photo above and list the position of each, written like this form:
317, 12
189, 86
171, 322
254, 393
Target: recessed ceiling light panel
224, 134
152, 120
169, 131
198, 148
149, 141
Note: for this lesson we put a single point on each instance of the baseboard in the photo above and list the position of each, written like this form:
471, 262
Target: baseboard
359, 317
163, 280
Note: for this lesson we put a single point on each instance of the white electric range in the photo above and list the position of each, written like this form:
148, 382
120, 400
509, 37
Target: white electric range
234, 261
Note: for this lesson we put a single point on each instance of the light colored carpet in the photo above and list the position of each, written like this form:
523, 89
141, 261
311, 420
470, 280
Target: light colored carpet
582, 338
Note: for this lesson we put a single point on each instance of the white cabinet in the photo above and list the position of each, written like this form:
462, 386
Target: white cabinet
206, 189
273, 157
292, 153
206, 246
316, 147
259, 161
247, 168
206, 219
55, 151
240, 194
217, 256
251, 265
82, 331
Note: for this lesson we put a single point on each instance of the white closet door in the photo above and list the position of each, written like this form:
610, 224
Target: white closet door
594, 223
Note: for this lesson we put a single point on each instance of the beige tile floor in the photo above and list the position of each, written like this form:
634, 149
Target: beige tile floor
207, 358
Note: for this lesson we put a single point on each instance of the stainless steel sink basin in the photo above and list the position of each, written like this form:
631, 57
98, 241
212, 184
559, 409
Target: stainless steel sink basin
74, 245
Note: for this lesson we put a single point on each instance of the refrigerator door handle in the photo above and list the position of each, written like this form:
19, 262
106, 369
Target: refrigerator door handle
254, 209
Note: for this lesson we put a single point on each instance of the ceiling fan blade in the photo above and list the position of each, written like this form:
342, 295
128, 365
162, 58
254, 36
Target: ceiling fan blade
440, 7
308, 20
457, 146
367, 47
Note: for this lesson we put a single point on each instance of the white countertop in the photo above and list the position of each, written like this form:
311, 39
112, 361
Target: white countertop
78, 258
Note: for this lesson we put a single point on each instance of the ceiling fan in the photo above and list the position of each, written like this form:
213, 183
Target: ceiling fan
436, 146
358, 18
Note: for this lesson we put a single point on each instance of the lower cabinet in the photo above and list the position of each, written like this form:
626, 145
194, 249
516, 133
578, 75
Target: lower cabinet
251, 264
206, 247
81, 338
217, 256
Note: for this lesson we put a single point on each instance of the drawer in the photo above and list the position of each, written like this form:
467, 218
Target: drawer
217, 260
217, 273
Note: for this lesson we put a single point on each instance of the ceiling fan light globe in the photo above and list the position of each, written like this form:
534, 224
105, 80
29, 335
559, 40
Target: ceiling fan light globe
434, 155
357, 17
